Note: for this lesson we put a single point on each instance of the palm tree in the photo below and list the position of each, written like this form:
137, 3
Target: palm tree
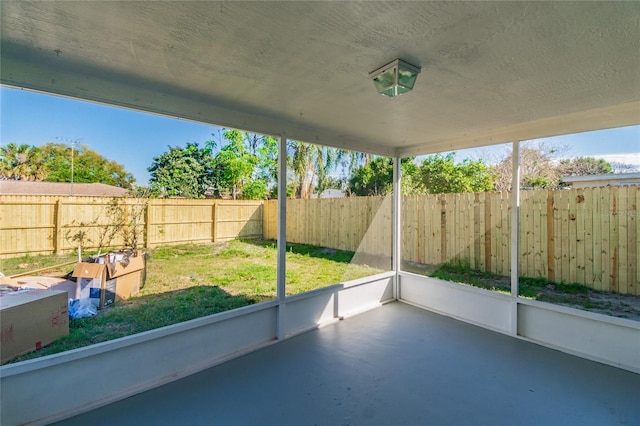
313, 164
21, 162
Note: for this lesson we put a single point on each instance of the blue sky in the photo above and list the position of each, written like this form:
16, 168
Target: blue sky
128, 137
132, 138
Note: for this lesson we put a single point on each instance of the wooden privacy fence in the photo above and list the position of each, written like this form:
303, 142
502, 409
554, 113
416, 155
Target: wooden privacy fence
48, 224
587, 236
360, 224
177, 221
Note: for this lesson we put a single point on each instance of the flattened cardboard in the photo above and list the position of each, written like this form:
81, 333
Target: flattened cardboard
50, 283
30, 320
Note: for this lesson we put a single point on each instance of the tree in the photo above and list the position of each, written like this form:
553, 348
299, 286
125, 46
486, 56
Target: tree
243, 168
246, 166
52, 163
21, 162
234, 166
582, 166
311, 166
376, 177
352, 160
326, 161
440, 174
88, 166
267, 153
301, 161
182, 172
334, 182
255, 190
537, 169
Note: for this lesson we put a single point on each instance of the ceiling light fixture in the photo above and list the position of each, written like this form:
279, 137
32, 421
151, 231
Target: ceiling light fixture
395, 78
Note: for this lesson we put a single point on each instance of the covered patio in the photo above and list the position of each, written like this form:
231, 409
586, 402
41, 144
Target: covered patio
397, 364
393, 348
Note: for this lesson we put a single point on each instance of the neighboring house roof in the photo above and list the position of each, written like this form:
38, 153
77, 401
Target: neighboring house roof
24, 187
603, 180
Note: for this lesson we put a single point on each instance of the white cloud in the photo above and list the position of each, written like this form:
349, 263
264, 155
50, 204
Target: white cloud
627, 158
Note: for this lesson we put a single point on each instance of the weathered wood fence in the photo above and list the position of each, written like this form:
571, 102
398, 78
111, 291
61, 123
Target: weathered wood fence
588, 236
46, 225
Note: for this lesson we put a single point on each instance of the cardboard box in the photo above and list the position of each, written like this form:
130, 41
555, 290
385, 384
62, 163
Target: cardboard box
107, 282
128, 276
49, 283
30, 320
91, 279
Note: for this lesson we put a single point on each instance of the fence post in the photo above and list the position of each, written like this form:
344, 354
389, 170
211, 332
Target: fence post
551, 255
488, 236
147, 225
57, 231
443, 229
214, 222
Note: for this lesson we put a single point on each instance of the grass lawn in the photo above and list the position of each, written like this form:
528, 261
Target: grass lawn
191, 281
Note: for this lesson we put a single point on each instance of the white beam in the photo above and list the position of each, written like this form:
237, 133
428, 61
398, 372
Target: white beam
627, 114
515, 237
282, 236
397, 235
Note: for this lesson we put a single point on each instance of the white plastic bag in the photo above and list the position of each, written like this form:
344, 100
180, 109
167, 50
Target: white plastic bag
81, 308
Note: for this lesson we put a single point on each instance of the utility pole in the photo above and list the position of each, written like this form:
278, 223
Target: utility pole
73, 144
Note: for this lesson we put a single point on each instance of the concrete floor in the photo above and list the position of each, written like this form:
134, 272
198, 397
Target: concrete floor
396, 365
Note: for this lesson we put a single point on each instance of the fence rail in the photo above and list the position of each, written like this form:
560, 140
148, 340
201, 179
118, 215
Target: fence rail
588, 236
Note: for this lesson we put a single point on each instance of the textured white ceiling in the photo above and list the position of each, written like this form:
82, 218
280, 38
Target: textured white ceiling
491, 71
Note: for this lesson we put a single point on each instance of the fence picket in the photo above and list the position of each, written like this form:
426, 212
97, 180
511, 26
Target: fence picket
623, 230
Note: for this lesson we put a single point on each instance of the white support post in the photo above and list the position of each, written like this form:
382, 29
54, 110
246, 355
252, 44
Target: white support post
515, 233
396, 252
282, 237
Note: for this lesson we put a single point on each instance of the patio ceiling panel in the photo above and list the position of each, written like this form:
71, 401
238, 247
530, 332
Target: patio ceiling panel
490, 71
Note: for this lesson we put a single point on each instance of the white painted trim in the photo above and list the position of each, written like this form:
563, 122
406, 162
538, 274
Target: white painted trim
339, 301
597, 337
469, 288
477, 306
515, 232
397, 224
282, 237
339, 286
135, 339
608, 340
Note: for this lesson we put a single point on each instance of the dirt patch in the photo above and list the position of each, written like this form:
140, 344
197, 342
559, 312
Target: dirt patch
616, 305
